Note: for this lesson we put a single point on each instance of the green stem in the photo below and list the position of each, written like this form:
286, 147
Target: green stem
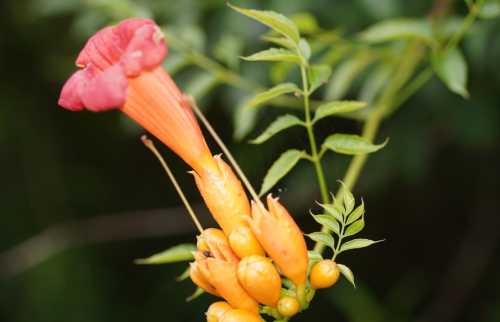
411, 58
467, 23
315, 159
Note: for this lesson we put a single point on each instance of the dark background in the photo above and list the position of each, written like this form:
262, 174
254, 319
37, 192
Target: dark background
95, 199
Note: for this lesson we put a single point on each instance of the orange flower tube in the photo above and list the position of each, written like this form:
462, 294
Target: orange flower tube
281, 238
121, 69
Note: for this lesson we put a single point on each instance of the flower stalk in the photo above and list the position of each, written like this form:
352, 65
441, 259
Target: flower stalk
150, 145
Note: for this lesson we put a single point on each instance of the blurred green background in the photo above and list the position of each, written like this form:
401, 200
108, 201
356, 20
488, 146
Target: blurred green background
81, 197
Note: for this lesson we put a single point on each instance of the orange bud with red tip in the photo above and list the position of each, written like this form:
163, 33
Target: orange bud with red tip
224, 195
281, 238
260, 279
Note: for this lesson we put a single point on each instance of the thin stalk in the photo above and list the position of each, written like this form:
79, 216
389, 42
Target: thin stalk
467, 23
224, 149
315, 159
150, 145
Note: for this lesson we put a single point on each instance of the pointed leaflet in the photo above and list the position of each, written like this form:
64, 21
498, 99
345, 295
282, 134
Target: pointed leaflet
345, 74
337, 107
328, 221
244, 119
177, 253
334, 211
324, 238
358, 243
356, 214
451, 67
280, 168
397, 29
273, 20
280, 41
275, 54
346, 271
347, 199
351, 144
305, 49
355, 228
318, 75
281, 123
271, 93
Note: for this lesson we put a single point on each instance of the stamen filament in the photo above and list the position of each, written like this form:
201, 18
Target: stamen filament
150, 145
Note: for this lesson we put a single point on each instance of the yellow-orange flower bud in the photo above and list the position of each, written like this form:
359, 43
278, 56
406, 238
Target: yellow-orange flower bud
240, 316
281, 238
324, 274
288, 306
260, 279
217, 310
243, 242
222, 276
224, 195
218, 267
199, 279
213, 240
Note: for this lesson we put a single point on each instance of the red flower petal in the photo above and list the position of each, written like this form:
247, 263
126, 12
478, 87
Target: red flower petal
70, 97
105, 90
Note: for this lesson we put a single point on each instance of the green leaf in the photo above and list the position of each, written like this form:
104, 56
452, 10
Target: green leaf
244, 119
351, 144
490, 9
200, 84
280, 168
324, 238
273, 20
305, 49
397, 29
306, 22
375, 82
283, 42
197, 293
329, 222
355, 228
346, 271
279, 71
271, 93
358, 243
345, 74
337, 107
347, 199
281, 123
356, 214
179, 253
318, 75
451, 67
275, 54
228, 49
334, 211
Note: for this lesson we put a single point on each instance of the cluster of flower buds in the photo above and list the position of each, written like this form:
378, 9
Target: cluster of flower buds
244, 262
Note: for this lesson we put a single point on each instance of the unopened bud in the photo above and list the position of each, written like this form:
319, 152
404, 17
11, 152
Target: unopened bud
243, 242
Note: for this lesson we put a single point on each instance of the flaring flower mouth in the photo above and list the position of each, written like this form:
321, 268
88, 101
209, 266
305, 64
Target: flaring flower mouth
108, 59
